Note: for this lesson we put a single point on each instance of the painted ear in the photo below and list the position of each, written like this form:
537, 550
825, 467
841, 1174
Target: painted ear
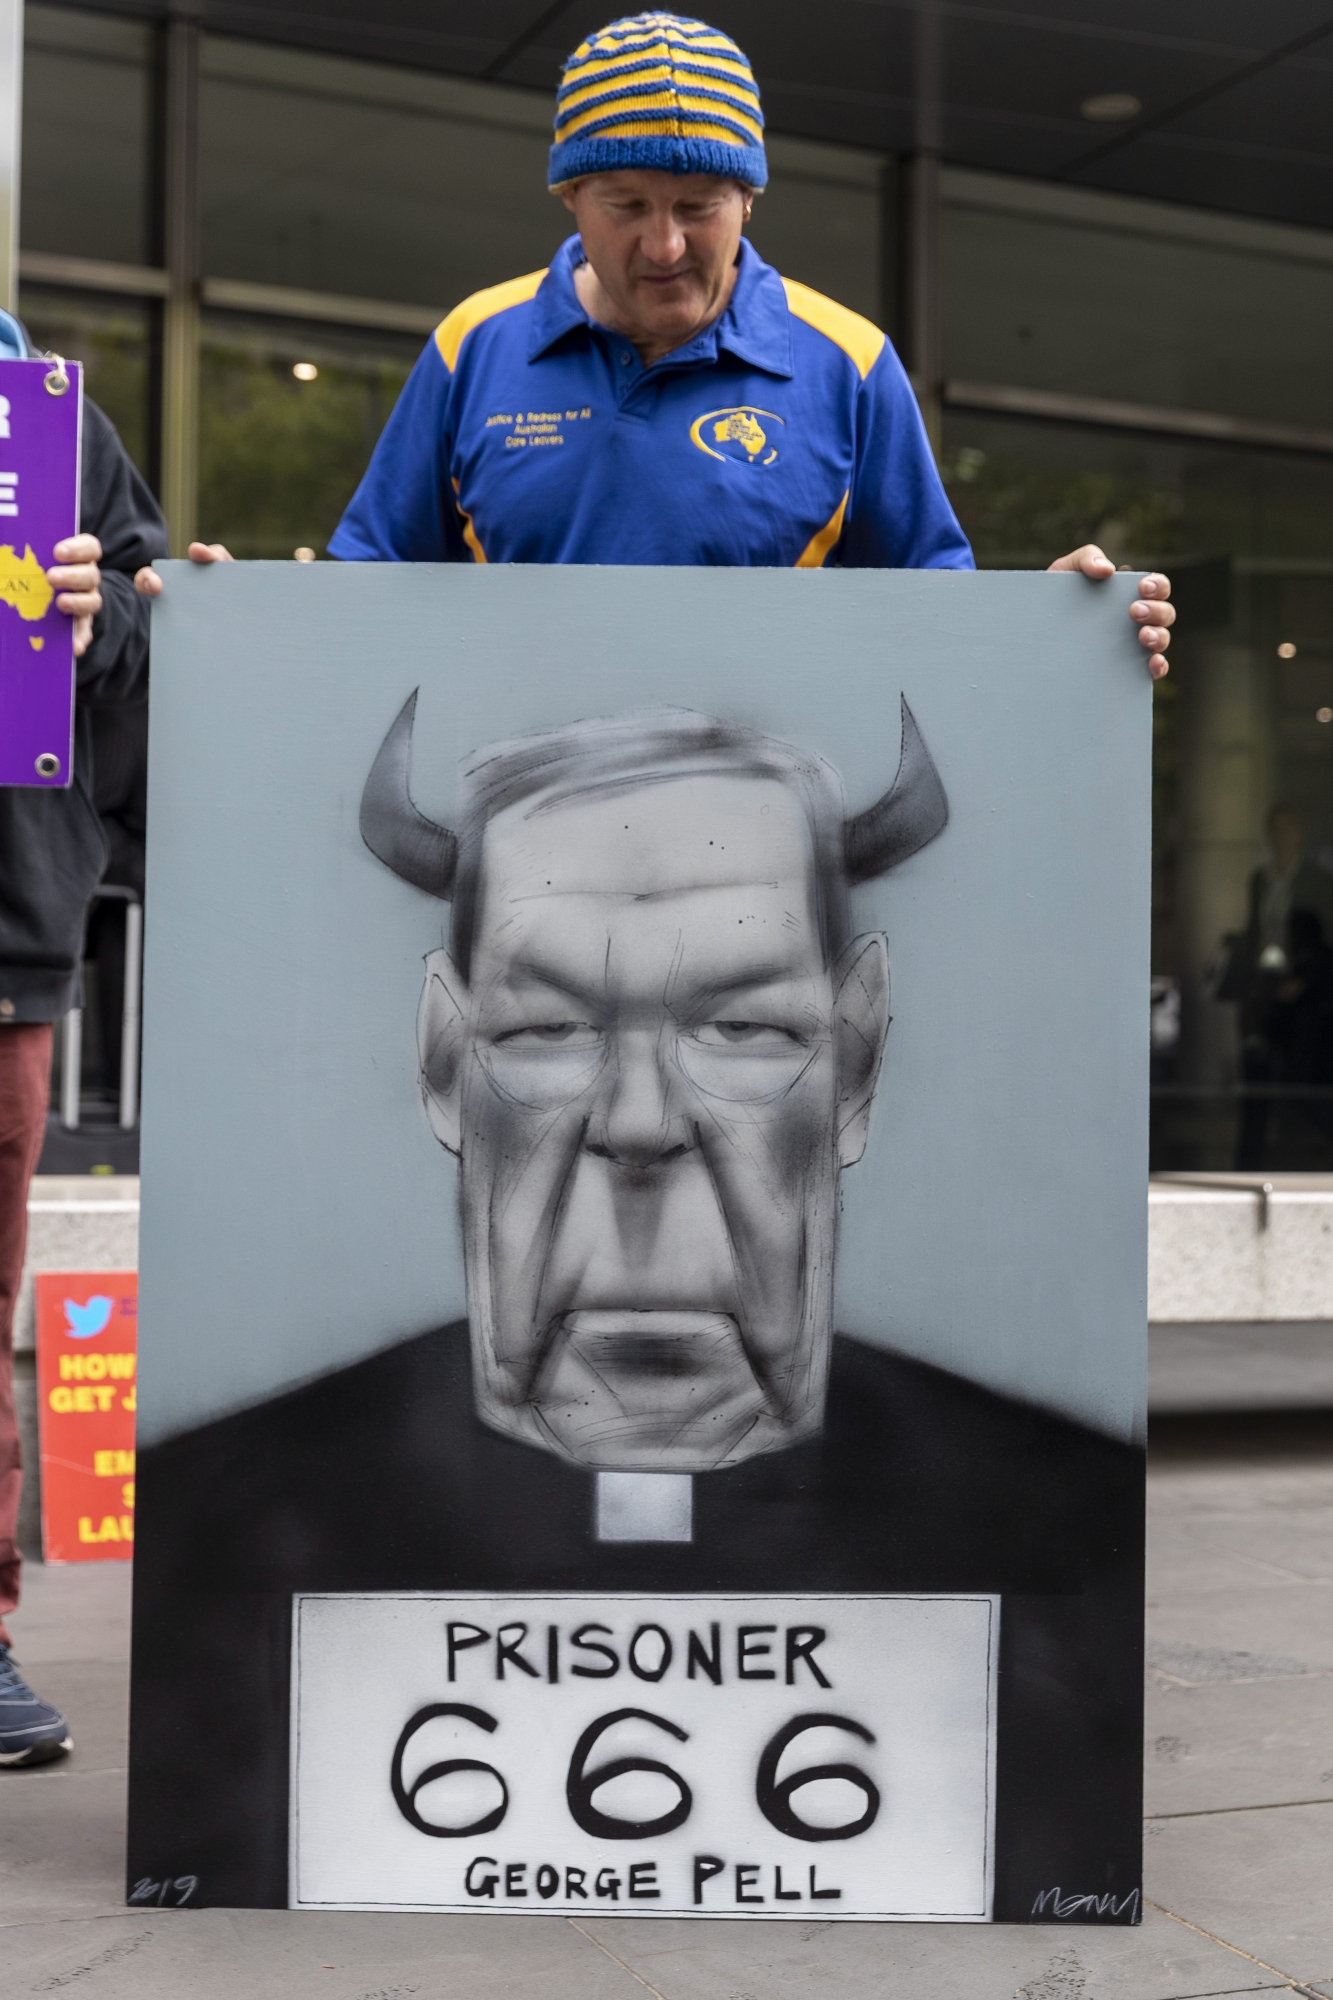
860, 1024
441, 1034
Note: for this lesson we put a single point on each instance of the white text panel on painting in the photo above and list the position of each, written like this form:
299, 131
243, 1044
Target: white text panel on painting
800, 1756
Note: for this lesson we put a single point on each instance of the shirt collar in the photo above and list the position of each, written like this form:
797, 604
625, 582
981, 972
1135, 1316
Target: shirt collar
556, 308
756, 326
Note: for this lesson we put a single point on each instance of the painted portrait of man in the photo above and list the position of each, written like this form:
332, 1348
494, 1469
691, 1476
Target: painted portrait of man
653, 1046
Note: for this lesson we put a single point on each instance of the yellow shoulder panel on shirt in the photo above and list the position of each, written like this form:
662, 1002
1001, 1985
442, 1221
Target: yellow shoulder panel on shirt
854, 335
451, 333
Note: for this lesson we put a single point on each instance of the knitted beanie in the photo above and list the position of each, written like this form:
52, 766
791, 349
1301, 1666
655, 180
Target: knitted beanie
656, 90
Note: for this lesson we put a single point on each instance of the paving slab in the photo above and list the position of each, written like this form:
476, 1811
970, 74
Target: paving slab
1216, 1748
314, 1955
1263, 1880
1272, 1619
219, 1954
73, 1611
1290, 1539
1235, 1463
1184, 1555
62, 1844
1159, 1960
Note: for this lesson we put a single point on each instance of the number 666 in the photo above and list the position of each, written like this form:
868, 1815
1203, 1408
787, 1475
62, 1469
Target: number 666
774, 1797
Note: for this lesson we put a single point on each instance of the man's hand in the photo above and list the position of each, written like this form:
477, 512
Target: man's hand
1150, 611
76, 578
149, 584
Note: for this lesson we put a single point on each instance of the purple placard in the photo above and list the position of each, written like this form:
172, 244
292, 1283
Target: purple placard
40, 434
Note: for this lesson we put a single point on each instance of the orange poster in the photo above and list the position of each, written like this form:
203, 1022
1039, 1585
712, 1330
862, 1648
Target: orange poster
87, 1340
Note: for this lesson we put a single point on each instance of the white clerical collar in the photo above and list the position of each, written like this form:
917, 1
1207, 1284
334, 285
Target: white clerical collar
645, 1507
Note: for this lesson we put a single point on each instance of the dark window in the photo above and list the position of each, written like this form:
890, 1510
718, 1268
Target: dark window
357, 178
1099, 295
112, 338
1242, 1051
87, 131
280, 457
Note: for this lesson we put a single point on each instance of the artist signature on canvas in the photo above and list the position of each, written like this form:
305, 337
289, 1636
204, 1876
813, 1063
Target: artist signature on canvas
1054, 1903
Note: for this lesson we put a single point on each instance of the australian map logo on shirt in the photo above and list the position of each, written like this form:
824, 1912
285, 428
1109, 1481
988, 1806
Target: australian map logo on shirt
24, 586
737, 434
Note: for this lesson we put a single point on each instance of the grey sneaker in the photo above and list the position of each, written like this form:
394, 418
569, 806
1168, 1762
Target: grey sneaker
31, 1731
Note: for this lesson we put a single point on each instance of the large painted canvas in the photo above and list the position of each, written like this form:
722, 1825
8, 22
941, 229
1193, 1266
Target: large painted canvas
642, 1351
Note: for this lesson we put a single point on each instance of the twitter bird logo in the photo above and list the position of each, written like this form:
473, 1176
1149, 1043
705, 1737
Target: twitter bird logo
85, 1321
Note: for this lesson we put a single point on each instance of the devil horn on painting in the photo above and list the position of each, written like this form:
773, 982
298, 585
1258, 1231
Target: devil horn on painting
908, 817
910, 814
397, 834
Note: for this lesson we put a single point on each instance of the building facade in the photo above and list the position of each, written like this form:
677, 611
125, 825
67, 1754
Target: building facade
1118, 313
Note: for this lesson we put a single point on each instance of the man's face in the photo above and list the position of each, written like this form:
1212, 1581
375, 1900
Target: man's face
663, 247
652, 1079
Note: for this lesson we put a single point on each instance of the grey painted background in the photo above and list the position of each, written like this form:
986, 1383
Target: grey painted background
298, 1214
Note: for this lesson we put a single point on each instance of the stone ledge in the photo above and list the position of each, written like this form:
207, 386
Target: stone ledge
1240, 1247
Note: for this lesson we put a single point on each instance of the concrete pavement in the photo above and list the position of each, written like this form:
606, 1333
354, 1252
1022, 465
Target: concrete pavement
1239, 1835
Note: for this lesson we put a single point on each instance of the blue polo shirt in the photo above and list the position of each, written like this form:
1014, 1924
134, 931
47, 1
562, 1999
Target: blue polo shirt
785, 435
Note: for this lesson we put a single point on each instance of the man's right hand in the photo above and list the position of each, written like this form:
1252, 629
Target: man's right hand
149, 584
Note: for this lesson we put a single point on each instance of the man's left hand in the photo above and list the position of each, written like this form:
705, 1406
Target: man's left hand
77, 578
1151, 611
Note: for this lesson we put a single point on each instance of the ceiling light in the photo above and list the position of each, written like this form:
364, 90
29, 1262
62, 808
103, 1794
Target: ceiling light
303, 555
1286, 651
1323, 715
305, 371
1111, 107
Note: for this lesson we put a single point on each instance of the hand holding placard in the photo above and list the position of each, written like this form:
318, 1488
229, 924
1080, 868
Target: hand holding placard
40, 436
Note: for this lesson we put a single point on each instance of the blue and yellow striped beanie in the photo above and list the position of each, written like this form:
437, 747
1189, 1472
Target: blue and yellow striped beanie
656, 90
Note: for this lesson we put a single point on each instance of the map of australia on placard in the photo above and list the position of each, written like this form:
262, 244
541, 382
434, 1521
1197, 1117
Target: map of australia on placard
23, 584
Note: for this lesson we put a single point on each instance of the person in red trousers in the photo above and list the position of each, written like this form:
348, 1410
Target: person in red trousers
52, 853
